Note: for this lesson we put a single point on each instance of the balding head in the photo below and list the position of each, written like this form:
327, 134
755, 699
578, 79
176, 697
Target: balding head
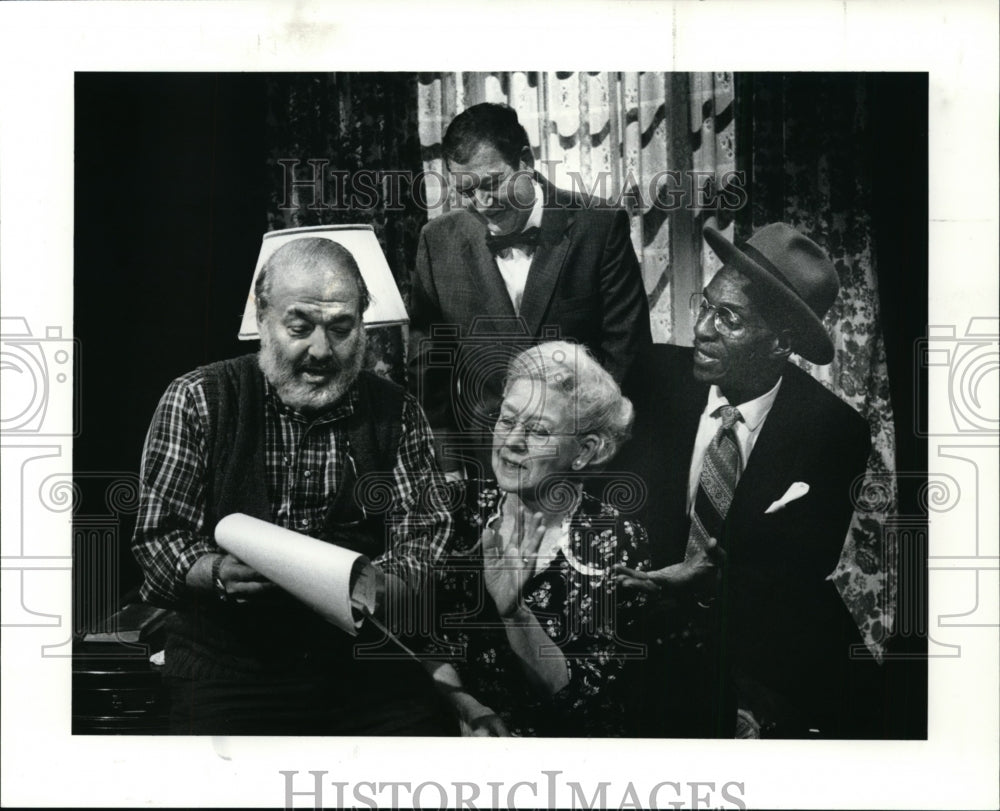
309, 256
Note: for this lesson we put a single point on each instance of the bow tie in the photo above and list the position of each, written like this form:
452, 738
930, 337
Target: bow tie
525, 239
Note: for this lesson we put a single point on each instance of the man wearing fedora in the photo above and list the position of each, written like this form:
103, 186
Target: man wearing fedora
749, 464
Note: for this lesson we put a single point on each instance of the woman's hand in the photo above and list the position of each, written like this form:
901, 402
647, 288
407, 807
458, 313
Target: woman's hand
695, 574
509, 563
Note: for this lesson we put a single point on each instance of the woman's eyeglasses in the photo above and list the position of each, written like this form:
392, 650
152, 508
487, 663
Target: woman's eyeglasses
533, 432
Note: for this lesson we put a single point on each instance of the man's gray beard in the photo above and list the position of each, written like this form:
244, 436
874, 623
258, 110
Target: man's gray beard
300, 395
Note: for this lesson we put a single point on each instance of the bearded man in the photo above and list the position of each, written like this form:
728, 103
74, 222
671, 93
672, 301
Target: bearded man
285, 436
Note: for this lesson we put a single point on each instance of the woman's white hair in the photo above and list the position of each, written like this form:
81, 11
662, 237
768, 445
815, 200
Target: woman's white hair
600, 407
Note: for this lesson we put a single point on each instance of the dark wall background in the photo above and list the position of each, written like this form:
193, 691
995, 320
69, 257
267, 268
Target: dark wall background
170, 195
176, 182
177, 178
900, 200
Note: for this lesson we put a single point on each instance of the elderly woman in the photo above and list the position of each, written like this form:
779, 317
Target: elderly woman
538, 634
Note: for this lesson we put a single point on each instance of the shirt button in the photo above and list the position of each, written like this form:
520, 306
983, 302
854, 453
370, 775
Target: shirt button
306, 474
304, 523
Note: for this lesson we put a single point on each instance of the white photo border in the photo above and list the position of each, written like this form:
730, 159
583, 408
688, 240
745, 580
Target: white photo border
41, 47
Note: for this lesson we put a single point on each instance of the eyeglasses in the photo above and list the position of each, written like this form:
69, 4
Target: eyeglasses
534, 432
725, 321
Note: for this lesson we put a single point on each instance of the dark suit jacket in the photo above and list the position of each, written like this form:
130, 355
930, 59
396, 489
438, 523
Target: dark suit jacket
784, 630
584, 285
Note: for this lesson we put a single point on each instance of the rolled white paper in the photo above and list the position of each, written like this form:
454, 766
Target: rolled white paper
315, 572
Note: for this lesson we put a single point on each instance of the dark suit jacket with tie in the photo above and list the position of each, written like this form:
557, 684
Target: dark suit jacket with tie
584, 284
784, 631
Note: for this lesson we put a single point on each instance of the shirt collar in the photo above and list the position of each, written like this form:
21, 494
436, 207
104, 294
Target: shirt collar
753, 411
535, 220
343, 408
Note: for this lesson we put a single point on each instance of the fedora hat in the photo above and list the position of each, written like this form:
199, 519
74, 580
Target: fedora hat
796, 274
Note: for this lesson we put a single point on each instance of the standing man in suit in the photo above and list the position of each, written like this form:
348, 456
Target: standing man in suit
522, 261
748, 457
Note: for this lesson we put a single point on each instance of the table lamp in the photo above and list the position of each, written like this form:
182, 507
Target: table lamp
386, 308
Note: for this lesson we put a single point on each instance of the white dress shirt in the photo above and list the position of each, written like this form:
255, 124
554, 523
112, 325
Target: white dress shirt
515, 262
747, 430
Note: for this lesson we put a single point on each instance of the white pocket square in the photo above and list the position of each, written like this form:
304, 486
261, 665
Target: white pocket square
794, 491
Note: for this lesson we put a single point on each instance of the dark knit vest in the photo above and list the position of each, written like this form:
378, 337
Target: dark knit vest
275, 635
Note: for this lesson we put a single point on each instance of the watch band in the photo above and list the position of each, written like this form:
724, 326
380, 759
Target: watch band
217, 584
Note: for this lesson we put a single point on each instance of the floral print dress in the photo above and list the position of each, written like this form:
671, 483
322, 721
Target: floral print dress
575, 599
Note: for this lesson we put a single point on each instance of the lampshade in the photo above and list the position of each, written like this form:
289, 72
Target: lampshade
386, 306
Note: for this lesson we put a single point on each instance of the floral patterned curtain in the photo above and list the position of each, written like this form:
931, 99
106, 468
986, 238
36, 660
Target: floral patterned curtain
809, 152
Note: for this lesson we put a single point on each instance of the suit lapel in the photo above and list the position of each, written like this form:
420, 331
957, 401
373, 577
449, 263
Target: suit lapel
547, 263
772, 464
482, 268
683, 429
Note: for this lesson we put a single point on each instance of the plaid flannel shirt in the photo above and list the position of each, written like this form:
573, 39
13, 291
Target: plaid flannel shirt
304, 463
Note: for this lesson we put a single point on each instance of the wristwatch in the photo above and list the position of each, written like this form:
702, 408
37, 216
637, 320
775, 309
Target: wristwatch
217, 584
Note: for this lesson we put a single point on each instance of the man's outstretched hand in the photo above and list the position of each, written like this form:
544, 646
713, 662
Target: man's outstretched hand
695, 574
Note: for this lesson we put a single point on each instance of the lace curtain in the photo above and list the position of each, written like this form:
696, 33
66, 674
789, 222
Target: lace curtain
616, 134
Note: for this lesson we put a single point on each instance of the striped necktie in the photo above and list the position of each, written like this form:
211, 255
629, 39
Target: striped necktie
719, 474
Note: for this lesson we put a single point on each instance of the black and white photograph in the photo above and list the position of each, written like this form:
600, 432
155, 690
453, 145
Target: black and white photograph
645, 187
619, 416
